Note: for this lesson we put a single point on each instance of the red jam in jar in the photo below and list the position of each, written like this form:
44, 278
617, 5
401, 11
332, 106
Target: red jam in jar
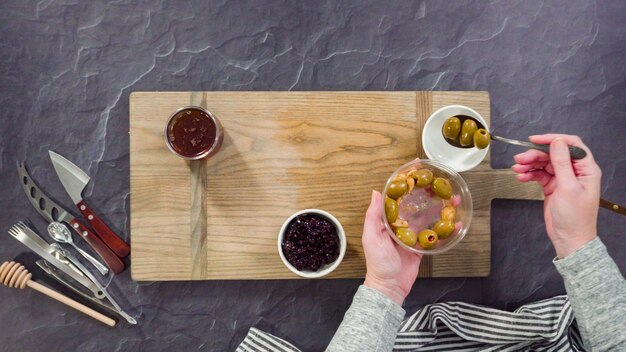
193, 133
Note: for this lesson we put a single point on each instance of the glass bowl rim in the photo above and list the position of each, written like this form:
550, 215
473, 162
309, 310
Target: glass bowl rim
464, 189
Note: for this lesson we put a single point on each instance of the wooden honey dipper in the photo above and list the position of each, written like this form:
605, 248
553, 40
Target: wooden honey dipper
15, 275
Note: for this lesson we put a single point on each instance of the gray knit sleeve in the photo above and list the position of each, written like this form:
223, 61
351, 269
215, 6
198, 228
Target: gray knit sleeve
371, 323
597, 292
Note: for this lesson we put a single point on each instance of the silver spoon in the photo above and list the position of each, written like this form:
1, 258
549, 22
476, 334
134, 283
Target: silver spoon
574, 152
61, 234
61, 255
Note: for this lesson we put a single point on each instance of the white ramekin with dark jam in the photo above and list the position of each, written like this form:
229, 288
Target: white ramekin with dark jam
311, 243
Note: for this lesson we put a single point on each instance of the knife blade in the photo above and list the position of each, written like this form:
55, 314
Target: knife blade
51, 211
74, 180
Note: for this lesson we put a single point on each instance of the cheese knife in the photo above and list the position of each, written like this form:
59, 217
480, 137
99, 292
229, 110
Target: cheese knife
74, 181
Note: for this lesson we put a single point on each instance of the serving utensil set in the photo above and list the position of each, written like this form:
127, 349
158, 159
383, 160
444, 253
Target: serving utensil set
58, 263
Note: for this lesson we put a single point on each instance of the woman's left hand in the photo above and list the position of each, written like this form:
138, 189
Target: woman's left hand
390, 269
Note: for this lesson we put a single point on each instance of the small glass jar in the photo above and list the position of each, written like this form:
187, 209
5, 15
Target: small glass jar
193, 133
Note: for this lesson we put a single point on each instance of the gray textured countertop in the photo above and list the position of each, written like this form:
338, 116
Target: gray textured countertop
67, 68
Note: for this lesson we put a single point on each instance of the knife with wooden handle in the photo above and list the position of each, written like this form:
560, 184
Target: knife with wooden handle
606, 204
74, 181
112, 260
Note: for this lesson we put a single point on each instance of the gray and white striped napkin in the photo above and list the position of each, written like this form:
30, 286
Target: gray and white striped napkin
547, 325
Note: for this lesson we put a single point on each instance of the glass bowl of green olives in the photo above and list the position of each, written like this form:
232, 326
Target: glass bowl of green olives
427, 207
437, 146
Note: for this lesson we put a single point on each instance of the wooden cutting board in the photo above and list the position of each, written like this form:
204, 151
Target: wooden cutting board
286, 151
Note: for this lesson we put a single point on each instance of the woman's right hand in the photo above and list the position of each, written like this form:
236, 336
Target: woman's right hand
571, 189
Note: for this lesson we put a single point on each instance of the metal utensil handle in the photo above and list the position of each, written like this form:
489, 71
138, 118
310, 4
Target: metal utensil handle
574, 152
54, 274
101, 267
103, 291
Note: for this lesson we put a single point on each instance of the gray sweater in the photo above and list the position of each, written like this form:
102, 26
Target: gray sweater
594, 284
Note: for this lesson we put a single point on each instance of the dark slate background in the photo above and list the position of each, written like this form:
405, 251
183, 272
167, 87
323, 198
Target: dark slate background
67, 68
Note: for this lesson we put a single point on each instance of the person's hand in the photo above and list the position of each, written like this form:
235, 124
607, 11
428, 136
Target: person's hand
571, 189
390, 269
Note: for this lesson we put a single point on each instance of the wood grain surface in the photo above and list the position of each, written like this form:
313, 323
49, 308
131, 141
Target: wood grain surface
282, 152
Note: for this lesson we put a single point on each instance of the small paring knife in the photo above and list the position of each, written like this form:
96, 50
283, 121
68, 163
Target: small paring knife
74, 181
607, 204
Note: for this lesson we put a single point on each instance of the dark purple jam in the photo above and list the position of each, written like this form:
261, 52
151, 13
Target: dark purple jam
310, 242
191, 132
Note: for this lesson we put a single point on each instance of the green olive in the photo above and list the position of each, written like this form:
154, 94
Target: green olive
407, 236
448, 213
397, 189
451, 128
427, 238
423, 177
391, 210
442, 188
467, 133
443, 228
481, 138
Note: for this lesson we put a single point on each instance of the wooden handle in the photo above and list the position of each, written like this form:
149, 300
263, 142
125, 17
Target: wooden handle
607, 204
70, 302
15, 275
107, 255
110, 238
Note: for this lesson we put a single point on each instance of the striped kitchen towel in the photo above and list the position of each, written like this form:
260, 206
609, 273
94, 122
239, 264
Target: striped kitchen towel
547, 325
